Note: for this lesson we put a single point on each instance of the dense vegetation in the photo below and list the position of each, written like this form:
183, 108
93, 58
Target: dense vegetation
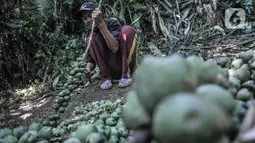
40, 38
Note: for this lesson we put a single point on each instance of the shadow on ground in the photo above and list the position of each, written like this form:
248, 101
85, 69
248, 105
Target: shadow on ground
38, 109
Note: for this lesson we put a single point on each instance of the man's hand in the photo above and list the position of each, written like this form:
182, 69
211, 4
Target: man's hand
87, 73
89, 67
111, 42
98, 16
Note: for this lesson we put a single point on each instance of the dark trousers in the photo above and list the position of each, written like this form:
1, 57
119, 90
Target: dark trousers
116, 65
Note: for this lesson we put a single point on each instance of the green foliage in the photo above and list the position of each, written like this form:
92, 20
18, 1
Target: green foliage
45, 7
42, 36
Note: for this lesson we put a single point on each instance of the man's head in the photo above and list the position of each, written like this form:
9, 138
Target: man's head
85, 12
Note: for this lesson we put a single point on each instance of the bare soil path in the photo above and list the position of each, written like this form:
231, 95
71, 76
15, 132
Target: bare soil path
37, 110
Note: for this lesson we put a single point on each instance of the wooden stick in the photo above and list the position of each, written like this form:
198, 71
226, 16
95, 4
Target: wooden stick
92, 29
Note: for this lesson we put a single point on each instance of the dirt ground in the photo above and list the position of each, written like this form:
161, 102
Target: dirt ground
33, 111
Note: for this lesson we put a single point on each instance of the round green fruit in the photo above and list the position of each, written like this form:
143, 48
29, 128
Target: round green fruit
45, 132
83, 131
19, 131
218, 95
110, 122
134, 113
244, 94
96, 138
10, 139
153, 83
184, 117
72, 140
5, 132
113, 139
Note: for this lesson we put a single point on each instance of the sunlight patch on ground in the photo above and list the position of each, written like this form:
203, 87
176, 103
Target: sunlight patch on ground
30, 105
15, 113
25, 116
42, 102
27, 106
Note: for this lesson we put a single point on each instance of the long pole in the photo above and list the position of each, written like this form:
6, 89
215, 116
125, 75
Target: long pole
92, 29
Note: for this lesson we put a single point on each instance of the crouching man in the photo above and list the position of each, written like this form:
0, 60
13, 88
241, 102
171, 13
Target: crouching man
113, 47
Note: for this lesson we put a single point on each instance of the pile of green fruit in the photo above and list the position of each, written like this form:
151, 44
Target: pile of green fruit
241, 81
51, 120
35, 133
95, 122
182, 100
98, 120
74, 79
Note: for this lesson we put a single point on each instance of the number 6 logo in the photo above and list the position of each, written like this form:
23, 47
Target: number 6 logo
235, 18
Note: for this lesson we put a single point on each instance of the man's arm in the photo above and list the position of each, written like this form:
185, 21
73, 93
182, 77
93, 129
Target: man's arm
112, 43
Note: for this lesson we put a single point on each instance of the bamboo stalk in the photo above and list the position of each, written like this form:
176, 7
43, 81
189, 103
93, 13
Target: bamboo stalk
92, 29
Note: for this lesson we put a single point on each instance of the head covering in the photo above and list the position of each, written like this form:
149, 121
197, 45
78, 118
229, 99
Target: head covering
87, 6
